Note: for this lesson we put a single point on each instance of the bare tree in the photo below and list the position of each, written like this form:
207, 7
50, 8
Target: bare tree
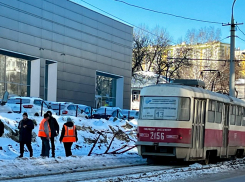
141, 42
158, 45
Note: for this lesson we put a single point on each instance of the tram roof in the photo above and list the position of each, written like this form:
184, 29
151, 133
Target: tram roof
177, 90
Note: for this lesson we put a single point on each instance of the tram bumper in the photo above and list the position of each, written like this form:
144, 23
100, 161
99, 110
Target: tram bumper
176, 150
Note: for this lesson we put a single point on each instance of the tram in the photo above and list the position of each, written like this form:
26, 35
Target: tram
190, 123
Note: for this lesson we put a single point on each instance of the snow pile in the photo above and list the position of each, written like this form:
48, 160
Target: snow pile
87, 133
145, 78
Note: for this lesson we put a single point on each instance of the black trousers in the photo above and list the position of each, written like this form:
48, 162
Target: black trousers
67, 146
22, 144
52, 146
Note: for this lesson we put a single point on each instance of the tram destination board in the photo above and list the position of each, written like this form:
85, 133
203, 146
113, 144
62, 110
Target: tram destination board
160, 108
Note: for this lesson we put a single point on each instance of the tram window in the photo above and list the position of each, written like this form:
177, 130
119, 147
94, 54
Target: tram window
239, 116
233, 115
184, 110
243, 120
211, 111
219, 107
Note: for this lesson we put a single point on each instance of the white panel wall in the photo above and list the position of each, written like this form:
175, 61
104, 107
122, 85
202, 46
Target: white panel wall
52, 82
35, 78
119, 94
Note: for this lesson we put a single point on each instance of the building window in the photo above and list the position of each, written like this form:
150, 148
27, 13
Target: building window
106, 89
136, 95
14, 76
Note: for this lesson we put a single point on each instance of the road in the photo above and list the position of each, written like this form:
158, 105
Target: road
96, 174
237, 175
236, 179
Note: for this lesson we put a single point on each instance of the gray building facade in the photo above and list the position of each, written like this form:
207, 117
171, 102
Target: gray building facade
61, 51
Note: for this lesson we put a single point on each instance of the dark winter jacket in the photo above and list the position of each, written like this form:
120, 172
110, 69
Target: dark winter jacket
1, 128
54, 126
68, 124
25, 133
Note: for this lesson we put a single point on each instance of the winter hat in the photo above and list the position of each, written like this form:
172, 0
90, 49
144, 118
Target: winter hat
25, 114
49, 113
69, 119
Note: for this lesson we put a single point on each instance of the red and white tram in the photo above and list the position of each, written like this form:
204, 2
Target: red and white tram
190, 123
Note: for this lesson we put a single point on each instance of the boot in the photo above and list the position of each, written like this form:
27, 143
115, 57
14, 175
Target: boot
21, 155
31, 154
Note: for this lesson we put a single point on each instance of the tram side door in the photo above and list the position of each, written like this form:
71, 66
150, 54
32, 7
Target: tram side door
225, 130
198, 128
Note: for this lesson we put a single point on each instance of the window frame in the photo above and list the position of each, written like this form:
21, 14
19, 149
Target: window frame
239, 113
233, 113
219, 108
213, 110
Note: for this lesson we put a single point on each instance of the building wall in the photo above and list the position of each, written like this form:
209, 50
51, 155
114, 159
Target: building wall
81, 41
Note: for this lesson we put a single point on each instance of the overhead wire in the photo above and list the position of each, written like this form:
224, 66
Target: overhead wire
240, 38
122, 20
169, 14
240, 30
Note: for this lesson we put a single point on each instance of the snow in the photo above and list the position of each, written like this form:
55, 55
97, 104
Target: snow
183, 173
145, 78
87, 133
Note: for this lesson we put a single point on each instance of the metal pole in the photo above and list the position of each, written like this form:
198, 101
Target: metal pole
76, 110
232, 52
59, 108
42, 108
232, 57
20, 105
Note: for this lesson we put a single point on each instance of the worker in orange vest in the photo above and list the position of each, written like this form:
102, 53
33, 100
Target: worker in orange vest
45, 134
68, 136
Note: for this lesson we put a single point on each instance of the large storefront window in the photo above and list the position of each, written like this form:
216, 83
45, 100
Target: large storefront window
105, 91
14, 76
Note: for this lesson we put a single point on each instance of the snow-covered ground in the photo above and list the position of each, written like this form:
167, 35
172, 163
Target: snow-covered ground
87, 133
184, 173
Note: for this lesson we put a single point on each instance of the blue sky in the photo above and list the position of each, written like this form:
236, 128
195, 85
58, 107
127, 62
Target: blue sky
212, 10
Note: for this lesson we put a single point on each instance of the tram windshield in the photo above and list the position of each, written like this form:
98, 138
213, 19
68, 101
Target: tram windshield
165, 108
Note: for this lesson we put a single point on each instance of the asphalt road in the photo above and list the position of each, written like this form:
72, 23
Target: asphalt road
234, 179
228, 176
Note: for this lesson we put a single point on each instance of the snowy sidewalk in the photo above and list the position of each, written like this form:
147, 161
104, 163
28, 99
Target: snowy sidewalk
26, 167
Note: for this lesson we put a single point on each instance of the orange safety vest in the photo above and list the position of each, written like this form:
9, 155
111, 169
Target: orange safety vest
70, 134
41, 132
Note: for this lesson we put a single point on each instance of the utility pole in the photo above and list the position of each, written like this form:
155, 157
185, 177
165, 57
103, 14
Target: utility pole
232, 53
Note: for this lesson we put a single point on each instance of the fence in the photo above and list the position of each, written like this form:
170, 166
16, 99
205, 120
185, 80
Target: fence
105, 115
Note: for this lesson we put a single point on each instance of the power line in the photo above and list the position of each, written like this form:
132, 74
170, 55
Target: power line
197, 59
169, 14
240, 30
240, 38
123, 20
225, 38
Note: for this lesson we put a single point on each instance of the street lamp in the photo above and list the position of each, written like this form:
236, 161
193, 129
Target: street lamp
232, 52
